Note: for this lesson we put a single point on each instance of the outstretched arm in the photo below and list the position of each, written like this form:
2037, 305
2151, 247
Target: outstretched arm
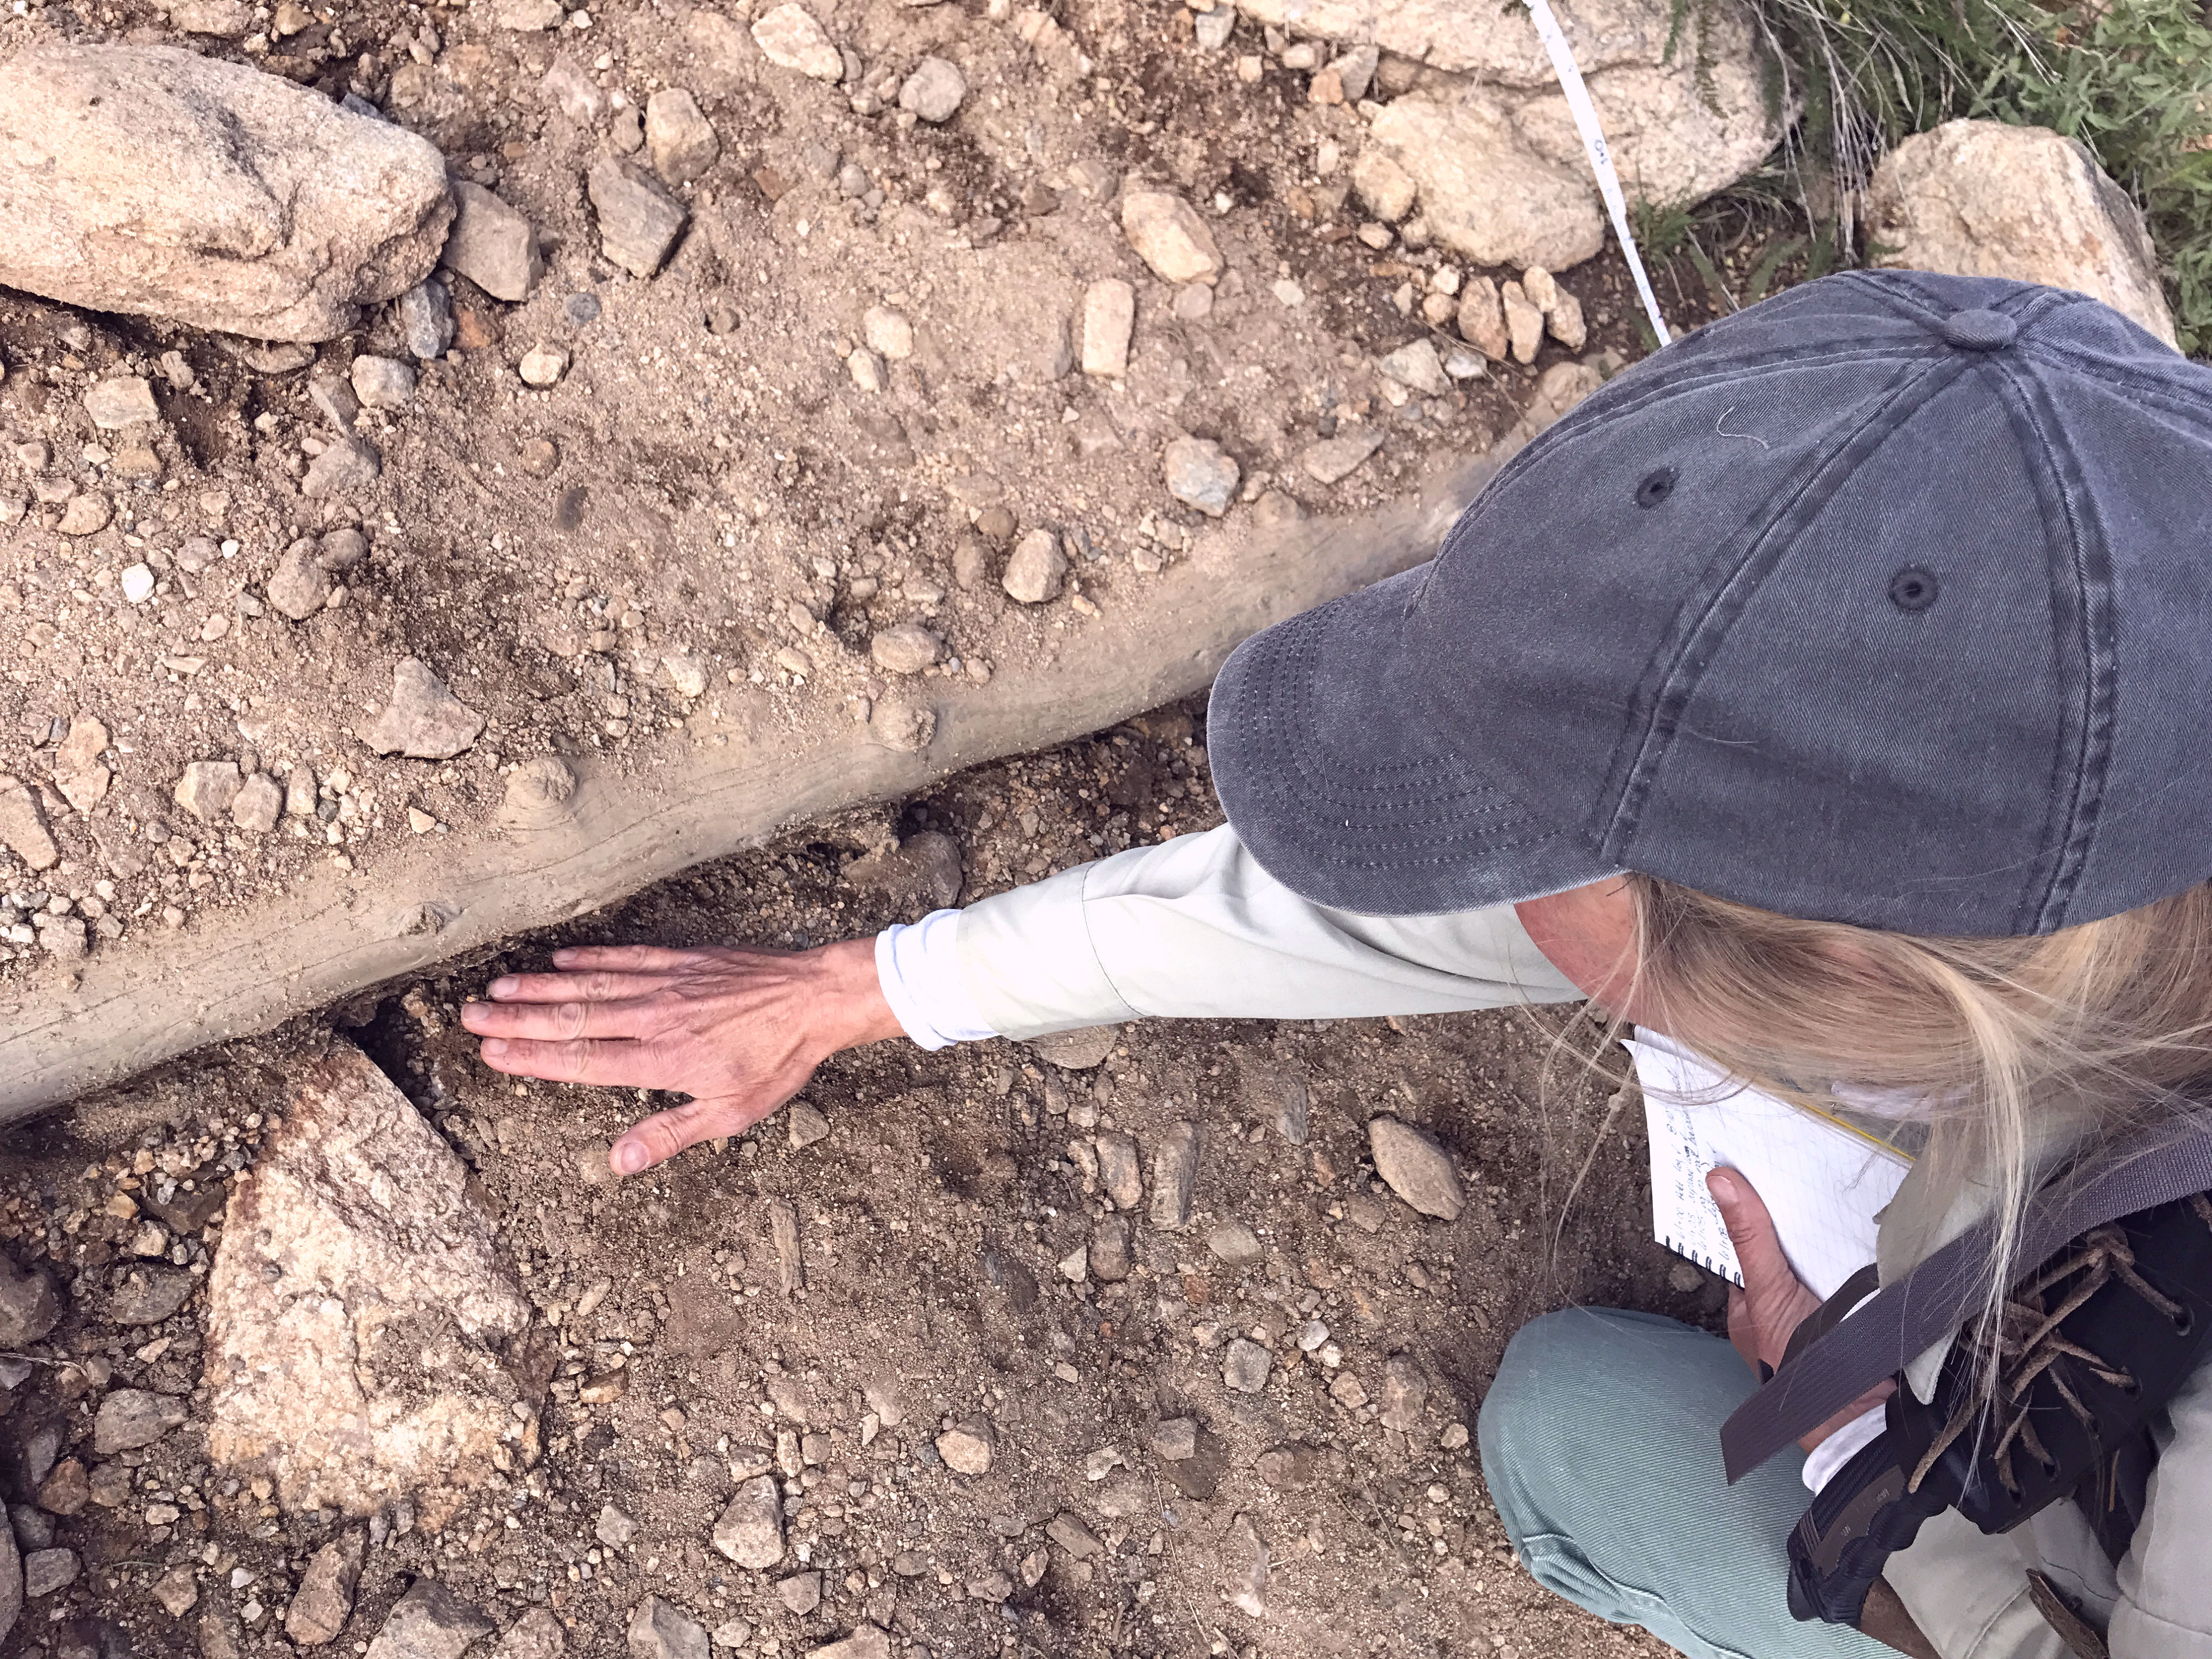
1192, 929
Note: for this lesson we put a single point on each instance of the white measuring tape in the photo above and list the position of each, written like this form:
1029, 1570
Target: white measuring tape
1601, 158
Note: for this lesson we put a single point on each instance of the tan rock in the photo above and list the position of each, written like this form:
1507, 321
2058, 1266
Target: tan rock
1169, 236
1035, 569
360, 1309
1524, 323
866, 1642
1564, 322
87, 514
1485, 192
1417, 1169
1332, 459
1387, 188
1685, 110
750, 1529
1558, 389
888, 333
157, 182
1482, 319
122, 402
966, 1448
324, 1600
423, 720
206, 788
1983, 198
792, 39
678, 137
1109, 317
493, 245
79, 772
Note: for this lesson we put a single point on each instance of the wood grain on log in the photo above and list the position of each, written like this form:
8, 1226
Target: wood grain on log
332, 935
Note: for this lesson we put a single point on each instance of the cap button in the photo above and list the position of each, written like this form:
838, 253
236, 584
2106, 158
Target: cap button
1980, 330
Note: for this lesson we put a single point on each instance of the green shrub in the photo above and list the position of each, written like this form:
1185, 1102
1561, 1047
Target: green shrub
2133, 82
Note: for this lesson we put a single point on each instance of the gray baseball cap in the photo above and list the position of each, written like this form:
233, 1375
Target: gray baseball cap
1886, 601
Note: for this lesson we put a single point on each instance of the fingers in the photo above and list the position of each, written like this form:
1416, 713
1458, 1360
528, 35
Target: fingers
601, 987
630, 958
1751, 1230
563, 1022
1743, 1332
661, 1136
613, 1062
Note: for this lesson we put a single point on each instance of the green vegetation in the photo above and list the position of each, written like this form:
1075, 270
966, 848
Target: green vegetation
2133, 81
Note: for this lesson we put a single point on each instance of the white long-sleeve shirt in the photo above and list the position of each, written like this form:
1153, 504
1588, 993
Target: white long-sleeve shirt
1194, 928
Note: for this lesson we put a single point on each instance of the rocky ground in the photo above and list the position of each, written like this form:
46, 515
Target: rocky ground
1123, 1346
770, 362
395, 396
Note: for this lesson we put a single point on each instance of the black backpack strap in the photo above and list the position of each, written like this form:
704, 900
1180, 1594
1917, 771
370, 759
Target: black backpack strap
1832, 1312
2154, 1167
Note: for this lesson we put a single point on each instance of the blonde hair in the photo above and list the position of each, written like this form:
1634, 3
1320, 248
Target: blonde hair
2010, 1045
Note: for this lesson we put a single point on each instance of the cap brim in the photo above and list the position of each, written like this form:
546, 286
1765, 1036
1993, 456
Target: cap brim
1354, 791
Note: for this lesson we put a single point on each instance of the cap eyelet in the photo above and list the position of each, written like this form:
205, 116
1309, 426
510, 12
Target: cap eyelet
1913, 589
1655, 486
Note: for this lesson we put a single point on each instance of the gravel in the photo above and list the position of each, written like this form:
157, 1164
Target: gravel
678, 138
905, 650
1416, 1168
1245, 1365
1175, 1175
1201, 474
121, 403
382, 382
750, 1528
424, 720
638, 221
492, 245
1035, 569
934, 91
1169, 236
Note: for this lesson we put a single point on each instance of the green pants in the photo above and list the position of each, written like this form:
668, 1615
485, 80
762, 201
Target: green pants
1601, 1441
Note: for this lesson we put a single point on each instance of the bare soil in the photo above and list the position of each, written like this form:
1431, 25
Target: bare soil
706, 481
932, 1217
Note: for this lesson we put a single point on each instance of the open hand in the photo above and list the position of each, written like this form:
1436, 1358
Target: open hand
1773, 1301
739, 1031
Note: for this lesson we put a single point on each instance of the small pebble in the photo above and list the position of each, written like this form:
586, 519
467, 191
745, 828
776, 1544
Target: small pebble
934, 91
542, 366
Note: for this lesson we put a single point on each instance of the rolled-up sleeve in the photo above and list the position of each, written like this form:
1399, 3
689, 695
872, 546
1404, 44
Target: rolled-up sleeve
1194, 928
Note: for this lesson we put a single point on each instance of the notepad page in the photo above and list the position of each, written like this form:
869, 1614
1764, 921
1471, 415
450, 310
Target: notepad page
1823, 1182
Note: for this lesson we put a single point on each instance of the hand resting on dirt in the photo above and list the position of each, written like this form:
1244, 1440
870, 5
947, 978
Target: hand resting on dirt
1773, 1302
739, 1031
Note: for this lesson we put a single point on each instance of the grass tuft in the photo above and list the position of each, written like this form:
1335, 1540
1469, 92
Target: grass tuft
2131, 80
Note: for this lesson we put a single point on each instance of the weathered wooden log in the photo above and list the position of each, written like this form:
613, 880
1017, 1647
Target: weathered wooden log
332, 935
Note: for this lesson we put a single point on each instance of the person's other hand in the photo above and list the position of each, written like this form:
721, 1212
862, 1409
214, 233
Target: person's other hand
1773, 1301
739, 1031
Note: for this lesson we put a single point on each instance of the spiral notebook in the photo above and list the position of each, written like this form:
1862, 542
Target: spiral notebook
1824, 1180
